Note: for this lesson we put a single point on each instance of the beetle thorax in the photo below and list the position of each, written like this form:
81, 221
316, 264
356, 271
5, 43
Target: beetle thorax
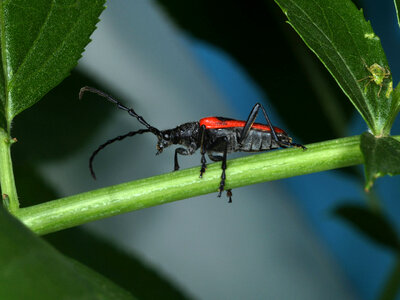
186, 135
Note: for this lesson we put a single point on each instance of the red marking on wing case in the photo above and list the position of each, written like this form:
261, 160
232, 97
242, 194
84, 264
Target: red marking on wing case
216, 123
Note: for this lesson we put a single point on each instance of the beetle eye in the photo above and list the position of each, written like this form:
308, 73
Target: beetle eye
166, 136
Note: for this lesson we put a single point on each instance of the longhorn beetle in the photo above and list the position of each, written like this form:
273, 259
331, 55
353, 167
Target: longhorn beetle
215, 136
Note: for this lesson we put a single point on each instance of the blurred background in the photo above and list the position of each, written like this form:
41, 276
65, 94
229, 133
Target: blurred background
177, 62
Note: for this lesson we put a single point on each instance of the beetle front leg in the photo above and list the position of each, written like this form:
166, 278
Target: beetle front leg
181, 151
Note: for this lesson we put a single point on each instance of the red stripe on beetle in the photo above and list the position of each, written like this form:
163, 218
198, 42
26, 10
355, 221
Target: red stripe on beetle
216, 123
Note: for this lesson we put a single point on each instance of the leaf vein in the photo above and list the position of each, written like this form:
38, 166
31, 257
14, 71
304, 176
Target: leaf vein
33, 44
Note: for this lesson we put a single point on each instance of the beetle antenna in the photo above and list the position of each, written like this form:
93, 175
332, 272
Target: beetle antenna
118, 138
120, 106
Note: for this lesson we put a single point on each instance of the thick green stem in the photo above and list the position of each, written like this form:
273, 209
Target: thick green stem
78, 209
7, 182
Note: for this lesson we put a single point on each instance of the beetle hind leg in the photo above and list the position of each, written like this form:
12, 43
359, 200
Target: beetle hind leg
288, 145
298, 146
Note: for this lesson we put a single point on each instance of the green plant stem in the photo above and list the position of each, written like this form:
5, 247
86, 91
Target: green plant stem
7, 181
93, 205
392, 285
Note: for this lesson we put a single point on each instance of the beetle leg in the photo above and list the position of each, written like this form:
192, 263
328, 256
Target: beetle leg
273, 133
214, 157
283, 145
219, 158
298, 146
223, 175
229, 195
202, 150
181, 151
250, 121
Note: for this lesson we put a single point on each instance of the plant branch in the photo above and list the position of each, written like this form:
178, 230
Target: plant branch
93, 205
7, 182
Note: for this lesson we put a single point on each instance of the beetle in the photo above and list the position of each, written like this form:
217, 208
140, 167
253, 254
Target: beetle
214, 136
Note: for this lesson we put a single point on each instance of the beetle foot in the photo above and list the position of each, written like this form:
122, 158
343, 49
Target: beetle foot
202, 171
298, 146
229, 195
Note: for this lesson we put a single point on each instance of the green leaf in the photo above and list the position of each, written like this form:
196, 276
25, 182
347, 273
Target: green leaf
381, 157
253, 34
338, 34
397, 7
371, 223
32, 269
41, 41
126, 269
395, 106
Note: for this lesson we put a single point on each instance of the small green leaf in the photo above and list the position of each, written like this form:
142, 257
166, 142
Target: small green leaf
373, 224
338, 34
32, 269
41, 41
381, 157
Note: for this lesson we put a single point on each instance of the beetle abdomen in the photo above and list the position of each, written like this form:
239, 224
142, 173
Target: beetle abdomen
257, 140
